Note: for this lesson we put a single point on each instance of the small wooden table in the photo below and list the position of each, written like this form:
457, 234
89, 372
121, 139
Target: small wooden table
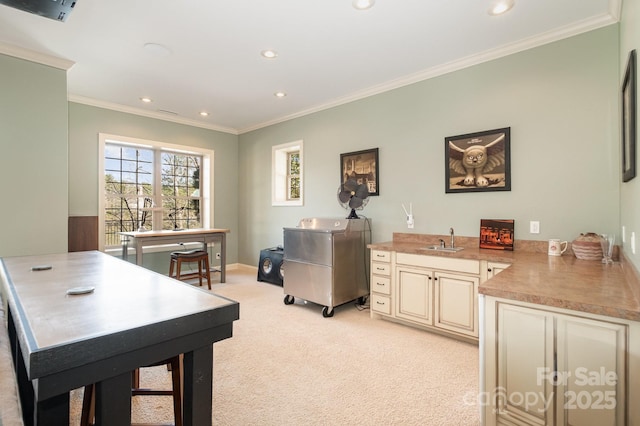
140, 239
133, 317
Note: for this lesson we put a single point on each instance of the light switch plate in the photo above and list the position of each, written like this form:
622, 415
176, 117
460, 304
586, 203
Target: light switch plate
534, 227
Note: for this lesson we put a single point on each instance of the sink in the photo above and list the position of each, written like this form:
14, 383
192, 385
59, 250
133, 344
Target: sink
439, 248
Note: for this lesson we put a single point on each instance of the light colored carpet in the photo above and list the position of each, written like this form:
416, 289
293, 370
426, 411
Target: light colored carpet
288, 365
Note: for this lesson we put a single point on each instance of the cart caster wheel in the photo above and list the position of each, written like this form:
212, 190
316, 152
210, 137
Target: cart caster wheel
288, 300
327, 312
362, 300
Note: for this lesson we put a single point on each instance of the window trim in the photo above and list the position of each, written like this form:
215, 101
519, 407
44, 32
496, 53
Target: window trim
280, 174
206, 179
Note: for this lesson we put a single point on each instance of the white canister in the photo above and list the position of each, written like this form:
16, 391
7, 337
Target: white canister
557, 247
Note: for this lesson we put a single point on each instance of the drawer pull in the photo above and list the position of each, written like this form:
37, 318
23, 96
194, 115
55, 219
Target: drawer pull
381, 269
381, 255
380, 284
379, 302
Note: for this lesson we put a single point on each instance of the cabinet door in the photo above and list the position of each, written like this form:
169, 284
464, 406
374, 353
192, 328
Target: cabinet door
414, 290
494, 268
592, 371
456, 303
524, 388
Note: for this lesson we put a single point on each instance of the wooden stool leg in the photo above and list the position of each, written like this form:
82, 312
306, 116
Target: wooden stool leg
171, 264
135, 378
200, 272
178, 268
88, 406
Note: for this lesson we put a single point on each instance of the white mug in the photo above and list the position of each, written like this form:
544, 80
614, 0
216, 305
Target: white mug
557, 247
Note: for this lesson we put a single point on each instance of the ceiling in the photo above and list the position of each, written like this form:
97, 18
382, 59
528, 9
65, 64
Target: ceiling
329, 53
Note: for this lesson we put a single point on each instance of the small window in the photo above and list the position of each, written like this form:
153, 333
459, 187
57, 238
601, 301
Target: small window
287, 182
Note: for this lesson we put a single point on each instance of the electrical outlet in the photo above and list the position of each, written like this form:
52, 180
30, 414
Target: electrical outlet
534, 227
624, 234
633, 243
217, 255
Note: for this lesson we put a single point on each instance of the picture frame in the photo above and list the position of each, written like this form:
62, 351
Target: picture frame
629, 119
478, 162
363, 166
497, 234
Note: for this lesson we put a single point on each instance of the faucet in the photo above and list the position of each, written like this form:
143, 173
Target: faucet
441, 243
452, 236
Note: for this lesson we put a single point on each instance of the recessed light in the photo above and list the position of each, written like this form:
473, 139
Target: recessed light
279, 94
204, 113
269, 54
501, 6
146, 100
157, 49
363, 4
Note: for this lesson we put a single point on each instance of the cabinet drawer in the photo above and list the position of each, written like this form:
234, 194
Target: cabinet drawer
381, 268
381, 304
381, 284
380, 256
439, 262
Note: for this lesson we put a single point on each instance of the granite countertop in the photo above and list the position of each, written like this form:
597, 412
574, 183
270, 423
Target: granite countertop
559, 281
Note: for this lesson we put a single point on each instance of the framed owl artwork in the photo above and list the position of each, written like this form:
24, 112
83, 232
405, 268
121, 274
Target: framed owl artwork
478, 162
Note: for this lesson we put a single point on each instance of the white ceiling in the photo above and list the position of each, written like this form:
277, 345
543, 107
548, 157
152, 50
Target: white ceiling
328, 52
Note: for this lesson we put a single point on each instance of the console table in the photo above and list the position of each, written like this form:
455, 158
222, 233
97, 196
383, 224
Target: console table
140, 239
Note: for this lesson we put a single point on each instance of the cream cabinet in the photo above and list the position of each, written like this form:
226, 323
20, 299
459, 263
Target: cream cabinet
456, 303
434, 292
494, 268
414, 294
549, 366
380, 283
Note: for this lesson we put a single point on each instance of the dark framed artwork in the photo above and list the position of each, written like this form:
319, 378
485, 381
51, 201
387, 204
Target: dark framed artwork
497, 234
629, 120
363, 167
478, 162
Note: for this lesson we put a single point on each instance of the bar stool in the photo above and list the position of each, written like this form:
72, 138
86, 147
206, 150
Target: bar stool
190, 256
89, 400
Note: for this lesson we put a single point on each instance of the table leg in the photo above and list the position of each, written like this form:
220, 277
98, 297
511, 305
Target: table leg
198, 387
223, 258
53, 411
125, 248
113, 401
139, 253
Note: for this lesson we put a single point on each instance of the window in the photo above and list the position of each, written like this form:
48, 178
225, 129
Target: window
287, 181
293, 175
147, 185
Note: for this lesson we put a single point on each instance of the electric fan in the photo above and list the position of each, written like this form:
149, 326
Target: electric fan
352, 195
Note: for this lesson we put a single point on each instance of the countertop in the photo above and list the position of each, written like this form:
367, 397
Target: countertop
535, 277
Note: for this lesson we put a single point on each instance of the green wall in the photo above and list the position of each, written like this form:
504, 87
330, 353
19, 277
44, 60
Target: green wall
33, 163
630, 191
560, 100
86, 122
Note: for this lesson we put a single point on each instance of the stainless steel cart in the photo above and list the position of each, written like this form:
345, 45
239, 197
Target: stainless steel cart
327, 261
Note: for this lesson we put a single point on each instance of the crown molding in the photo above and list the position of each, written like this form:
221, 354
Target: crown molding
615, 9
149, 114
469, 61
33, 56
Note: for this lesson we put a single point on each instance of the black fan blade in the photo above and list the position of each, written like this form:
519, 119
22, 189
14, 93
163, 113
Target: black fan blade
350, 185
362, 192
344, 196
355, 202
